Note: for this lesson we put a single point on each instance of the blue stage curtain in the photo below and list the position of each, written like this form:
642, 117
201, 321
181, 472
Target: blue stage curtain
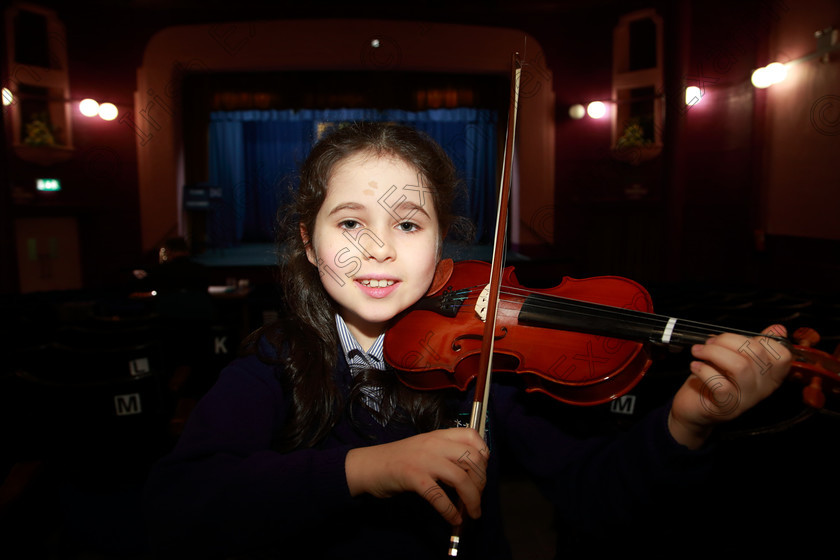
254, 157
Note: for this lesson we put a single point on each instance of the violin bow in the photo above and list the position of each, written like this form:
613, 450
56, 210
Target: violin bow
478, 415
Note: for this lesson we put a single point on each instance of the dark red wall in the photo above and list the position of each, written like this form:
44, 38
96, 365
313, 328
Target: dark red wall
696, 218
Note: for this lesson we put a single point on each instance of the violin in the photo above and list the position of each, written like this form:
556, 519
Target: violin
582, 342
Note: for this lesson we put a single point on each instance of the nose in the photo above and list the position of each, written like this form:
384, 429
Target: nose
383, 250
375, 247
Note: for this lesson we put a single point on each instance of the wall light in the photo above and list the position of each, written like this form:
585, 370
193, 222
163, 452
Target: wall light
91, 108
596, 109
769, 75
8, 98
693, 95
777, 72
108, 111
577, 111
593, 109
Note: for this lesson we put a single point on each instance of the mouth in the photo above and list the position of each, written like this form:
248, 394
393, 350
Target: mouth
377, 288
376, 283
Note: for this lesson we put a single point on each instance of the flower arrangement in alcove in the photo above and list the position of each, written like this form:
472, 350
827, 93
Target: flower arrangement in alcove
633, 136
636, 144
39, 131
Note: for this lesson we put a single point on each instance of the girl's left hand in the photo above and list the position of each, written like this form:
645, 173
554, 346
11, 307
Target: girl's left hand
731, 375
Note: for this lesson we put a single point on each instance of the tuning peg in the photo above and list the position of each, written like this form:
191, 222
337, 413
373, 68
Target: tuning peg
806, 336
813, 394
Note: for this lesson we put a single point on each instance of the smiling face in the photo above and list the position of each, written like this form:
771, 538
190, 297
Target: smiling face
375, 242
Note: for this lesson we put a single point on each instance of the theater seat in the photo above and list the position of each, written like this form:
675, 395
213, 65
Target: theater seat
94, 418
105, 401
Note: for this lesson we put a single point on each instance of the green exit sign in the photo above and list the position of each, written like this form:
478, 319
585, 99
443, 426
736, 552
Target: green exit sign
48, 184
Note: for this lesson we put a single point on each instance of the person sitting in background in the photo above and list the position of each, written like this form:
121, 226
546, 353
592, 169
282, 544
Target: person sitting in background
176, 271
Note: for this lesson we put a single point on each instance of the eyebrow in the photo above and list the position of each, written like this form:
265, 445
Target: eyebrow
404, 210
346, 206
409, 209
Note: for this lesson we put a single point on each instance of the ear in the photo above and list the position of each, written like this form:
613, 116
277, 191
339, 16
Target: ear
307, 246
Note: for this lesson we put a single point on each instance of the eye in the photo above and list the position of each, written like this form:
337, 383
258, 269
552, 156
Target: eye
408, 226
348, 224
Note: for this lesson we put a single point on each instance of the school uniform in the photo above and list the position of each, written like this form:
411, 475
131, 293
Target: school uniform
224, 493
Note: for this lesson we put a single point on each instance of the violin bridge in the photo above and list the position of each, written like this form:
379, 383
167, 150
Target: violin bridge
481, 303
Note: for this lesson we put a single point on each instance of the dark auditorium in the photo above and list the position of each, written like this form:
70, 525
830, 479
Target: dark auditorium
279, 279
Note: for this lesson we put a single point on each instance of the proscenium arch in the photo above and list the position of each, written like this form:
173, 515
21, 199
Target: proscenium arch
331, 45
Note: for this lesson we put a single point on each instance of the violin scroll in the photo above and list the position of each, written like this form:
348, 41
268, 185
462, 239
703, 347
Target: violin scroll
819, 370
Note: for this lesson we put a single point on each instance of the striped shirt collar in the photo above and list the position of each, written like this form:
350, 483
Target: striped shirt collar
356, 355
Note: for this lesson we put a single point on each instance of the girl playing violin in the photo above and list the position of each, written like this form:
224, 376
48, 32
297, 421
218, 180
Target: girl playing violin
309, 445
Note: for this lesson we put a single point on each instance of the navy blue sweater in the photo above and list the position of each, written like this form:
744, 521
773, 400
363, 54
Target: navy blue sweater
223, 492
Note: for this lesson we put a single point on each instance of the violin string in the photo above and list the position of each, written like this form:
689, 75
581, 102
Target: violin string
568, 307
555, 303
687, 326
586, 309
640, 318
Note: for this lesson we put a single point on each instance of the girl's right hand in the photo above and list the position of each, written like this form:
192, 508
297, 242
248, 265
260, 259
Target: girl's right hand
456, 457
